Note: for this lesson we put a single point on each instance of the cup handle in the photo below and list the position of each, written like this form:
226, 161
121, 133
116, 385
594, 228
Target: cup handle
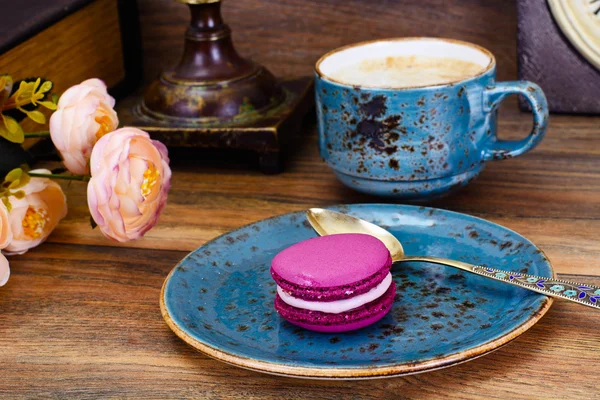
494, 95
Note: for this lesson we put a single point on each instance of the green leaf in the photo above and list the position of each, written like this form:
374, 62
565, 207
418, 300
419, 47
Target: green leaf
36, 85
46, 87
25, 92
37, 116
93, 223
11, 124
54, 98
11, 137
19, 194
13, 175
7, 204
6, 84
11, 130
27, 97
22, 181
25, 178
48, 104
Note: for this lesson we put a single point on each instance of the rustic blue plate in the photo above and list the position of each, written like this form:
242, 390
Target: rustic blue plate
219, 299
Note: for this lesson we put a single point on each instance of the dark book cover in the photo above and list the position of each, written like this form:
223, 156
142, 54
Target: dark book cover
19, 20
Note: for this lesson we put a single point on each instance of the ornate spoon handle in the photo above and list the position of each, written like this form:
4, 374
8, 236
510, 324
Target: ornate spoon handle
588, 295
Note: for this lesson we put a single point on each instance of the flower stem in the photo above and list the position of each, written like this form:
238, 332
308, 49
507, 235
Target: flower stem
37, 134
82, 178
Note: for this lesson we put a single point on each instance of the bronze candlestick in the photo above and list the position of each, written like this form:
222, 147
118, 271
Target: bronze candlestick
215, 98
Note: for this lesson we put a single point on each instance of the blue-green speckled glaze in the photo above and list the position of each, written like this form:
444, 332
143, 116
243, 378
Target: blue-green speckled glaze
419, 143
221, 297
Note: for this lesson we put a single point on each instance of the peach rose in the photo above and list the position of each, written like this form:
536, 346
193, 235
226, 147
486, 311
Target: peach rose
34, 216
4, 270
84, 114
129, 185
5, 238
6, 235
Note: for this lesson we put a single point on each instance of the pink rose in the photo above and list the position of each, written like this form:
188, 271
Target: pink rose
129, 185
6, 235
84, 114
5, 238
4, 270
34, 216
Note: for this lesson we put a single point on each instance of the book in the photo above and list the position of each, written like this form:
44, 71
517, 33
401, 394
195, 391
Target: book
67, 42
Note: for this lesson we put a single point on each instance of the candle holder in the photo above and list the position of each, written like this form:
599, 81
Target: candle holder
215, 98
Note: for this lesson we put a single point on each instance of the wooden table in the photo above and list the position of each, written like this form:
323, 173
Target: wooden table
79, 317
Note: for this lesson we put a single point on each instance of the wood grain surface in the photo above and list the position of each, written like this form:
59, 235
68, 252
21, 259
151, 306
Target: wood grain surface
79, 317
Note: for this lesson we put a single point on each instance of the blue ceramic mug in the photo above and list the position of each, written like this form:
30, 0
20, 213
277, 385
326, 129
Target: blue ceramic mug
422, 138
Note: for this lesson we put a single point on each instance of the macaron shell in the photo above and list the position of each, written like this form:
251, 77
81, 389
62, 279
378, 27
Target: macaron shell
331, 261
351, 320
352, 326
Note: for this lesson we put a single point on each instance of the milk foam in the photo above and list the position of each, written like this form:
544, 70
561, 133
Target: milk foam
406, 71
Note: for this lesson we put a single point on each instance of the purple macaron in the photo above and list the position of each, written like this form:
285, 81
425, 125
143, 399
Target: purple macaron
334, 283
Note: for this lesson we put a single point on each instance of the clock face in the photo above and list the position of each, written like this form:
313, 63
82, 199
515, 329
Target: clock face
580, 22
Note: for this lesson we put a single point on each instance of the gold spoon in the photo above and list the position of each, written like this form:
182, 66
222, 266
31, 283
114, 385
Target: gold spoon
327, 222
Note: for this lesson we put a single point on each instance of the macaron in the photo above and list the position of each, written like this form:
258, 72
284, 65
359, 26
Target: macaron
334, 283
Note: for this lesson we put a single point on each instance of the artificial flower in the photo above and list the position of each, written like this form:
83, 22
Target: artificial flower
5, 239
30, 92
35, 210
129, 185
4, 270
85, 113
6, 235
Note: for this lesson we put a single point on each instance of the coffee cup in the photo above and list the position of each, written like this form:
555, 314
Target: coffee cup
415, 118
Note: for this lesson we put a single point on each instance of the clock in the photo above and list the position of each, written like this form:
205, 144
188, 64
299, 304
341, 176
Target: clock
579, 20
558, 46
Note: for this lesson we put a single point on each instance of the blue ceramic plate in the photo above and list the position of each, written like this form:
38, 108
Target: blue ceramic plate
219, 299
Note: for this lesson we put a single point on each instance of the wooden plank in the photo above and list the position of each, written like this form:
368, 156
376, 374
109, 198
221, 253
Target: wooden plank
83, 322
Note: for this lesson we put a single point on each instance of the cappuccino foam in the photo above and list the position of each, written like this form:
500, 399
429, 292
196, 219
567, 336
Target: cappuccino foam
406, 71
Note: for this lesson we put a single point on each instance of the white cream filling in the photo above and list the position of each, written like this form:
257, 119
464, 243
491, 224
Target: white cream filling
338, 306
